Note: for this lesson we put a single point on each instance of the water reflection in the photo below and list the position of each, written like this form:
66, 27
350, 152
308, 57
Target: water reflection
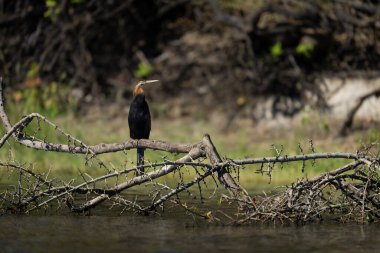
159, 234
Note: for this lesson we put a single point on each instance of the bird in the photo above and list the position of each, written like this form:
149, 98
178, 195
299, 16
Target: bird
139, 120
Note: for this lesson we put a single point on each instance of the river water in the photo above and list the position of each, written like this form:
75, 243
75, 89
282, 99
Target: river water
134, 233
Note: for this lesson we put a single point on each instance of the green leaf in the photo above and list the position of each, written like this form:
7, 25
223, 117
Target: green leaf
50, 3
33, 70
276, 50
305, 49
143, 70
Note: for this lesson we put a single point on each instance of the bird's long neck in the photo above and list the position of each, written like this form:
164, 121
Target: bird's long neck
138, 91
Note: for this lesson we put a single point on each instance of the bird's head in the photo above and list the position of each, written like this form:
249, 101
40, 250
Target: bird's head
138, 88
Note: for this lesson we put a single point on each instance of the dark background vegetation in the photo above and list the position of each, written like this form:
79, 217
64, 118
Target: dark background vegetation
224, 55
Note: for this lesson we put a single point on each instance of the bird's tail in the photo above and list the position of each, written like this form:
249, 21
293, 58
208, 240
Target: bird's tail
140, 160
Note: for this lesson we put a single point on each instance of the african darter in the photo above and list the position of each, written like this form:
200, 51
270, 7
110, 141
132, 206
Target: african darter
139, 119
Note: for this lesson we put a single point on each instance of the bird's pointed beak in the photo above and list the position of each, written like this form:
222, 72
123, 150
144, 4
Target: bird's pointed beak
149, 81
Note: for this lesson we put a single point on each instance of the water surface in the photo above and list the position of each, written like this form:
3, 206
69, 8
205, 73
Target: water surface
133, 233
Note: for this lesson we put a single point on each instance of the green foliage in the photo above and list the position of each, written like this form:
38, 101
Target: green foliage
35, 95
33, 70
77, 1
374, 135
50, 3
305, 49
143, 70
52, 10
38, 99
276, 50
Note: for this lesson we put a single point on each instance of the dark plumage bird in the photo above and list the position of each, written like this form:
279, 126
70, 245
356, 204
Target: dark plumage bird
139, 119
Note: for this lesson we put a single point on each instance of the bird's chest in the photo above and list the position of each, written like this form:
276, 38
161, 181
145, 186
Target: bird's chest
139, 120
139, 112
